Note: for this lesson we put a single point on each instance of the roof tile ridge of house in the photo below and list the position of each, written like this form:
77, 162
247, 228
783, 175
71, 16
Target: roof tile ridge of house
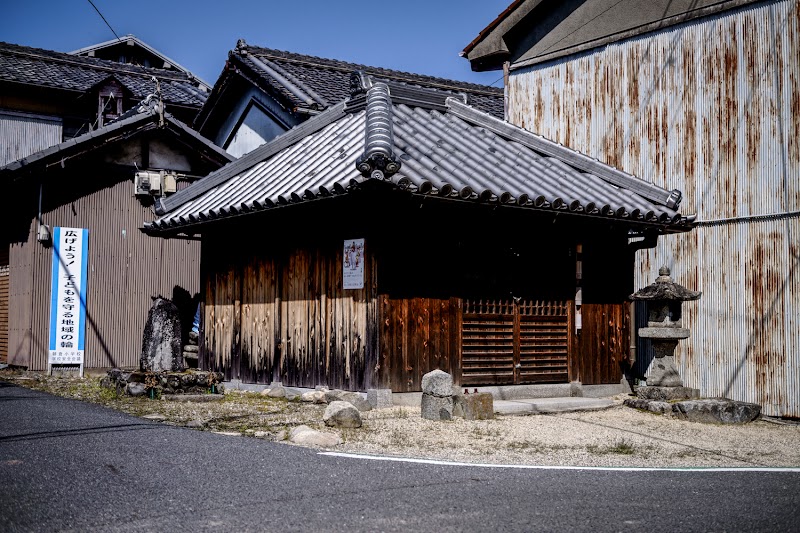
247, 161
189, 131
378, 161
400, 75
286, 83
318, 99
95, 63
578, 160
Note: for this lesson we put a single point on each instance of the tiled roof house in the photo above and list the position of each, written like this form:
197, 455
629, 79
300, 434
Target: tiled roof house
470, 232
263, 92
47, 97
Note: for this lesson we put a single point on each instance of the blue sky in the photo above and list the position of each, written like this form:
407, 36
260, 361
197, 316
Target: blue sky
418, 36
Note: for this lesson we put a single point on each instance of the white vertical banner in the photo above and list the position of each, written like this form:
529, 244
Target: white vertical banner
68, 296
353, 264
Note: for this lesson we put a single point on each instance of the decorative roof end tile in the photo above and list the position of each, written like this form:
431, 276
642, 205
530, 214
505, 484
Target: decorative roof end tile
378, 160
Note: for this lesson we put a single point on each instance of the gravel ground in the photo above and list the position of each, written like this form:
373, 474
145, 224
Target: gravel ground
619, 436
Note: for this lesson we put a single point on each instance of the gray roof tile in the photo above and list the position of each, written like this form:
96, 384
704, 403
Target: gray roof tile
445, 148
315, 82
46, 68
139, 115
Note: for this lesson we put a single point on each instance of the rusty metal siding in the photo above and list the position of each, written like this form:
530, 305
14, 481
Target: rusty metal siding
711, 107
3, 301
23, 134
125, 269
20, 272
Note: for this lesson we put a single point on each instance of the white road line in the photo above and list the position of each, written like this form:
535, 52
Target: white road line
546, 467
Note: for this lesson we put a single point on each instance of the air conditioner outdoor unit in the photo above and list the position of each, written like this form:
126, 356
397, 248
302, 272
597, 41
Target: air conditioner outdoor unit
146, 183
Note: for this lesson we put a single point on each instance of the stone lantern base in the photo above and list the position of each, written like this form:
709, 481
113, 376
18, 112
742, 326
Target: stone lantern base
666, 394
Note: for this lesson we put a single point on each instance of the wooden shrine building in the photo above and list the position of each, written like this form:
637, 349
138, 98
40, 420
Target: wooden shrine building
402, 230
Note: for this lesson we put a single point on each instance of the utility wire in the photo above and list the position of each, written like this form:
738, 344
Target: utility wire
104, 20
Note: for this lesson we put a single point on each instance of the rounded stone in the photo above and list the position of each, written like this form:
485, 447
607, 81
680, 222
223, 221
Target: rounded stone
342, 414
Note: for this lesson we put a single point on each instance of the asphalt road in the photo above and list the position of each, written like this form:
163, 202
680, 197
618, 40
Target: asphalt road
71, 466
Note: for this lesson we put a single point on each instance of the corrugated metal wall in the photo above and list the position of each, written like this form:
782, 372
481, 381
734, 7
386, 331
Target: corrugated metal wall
711, 107
24, 134
125, 269
3, 302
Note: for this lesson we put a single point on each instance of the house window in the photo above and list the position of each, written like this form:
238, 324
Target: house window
109, 104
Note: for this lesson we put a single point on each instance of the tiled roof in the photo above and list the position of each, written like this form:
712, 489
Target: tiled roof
128, 39
443, 148
142, 115
317, 83
46, 68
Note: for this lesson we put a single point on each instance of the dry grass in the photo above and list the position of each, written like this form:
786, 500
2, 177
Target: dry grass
619, 436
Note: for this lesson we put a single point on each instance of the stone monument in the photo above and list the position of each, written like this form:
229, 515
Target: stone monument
161, 341
665, 329
665, 392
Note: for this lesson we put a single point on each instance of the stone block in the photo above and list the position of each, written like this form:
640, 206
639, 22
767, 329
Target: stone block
436, 407
438, 383
380, 398
717, 411
314, 396
662, 371
277, 392
306, 435
654, 406
477, 406
666, 394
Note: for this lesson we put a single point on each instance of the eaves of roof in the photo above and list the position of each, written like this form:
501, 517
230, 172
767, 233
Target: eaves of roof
143, 117
491, 26
531, 32
427, 143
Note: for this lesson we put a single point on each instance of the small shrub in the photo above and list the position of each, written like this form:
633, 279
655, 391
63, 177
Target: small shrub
620, 447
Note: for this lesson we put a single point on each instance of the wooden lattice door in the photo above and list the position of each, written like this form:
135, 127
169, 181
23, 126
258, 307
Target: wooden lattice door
508, 342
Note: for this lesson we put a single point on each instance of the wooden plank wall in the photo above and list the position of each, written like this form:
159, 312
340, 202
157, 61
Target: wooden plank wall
260, 324
283, 316
418, 335
602, 344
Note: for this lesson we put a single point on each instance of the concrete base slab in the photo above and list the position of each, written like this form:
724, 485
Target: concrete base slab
706, 410
548, 390
549, 405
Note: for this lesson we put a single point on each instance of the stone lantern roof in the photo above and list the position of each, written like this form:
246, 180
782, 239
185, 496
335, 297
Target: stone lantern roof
665, 288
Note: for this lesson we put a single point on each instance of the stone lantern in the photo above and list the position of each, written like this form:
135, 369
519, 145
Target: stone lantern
664, 329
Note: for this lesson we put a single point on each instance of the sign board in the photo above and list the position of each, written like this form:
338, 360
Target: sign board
353, 264
68, 297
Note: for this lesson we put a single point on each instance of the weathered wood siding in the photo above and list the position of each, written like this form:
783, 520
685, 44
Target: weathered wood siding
417, 335
284, 316
275, 311
603, 343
